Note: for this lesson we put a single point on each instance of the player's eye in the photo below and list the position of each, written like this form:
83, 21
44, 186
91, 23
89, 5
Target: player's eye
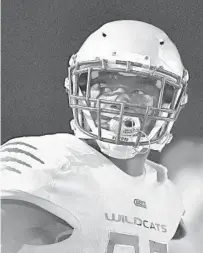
135, 92
115, 107
107, 90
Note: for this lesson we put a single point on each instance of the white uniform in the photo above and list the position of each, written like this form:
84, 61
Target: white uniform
110, 211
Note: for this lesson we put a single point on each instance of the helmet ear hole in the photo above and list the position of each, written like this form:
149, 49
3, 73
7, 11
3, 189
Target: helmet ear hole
104, 35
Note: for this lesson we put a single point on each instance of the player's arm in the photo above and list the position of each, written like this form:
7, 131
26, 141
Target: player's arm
180, 232
24, 223
27, 165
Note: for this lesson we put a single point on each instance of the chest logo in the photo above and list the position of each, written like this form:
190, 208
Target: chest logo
120, 218
140, 203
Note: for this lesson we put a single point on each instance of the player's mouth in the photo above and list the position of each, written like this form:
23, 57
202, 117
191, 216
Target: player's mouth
129, 124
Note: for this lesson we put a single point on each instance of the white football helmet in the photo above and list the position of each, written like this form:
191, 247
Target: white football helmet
106, 88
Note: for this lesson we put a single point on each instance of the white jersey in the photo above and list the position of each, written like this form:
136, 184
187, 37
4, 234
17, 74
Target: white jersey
110, 211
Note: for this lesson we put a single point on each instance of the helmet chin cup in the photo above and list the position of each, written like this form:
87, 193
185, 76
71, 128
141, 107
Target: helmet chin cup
116, 151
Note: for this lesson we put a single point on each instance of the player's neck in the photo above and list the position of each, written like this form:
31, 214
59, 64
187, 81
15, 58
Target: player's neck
133, 167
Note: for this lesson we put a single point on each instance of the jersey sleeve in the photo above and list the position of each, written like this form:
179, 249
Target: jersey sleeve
30, 163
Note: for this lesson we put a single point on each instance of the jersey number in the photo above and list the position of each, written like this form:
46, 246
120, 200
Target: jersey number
130, 244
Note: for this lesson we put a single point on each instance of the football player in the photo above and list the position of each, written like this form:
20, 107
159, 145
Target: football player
96, 191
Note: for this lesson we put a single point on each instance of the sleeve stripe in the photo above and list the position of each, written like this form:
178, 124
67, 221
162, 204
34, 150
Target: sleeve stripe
17, 150
12, 169
11, 159
19, 143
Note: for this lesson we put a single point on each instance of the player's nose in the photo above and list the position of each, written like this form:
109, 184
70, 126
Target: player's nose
122, 97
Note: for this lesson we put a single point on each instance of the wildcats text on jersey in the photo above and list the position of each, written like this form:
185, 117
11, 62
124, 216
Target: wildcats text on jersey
136, 221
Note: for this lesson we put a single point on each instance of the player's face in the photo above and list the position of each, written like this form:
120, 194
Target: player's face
122, 87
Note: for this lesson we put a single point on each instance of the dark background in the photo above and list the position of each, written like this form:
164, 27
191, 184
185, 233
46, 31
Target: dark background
38, 37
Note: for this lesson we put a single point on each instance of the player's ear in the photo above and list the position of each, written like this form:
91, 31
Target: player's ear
180, 232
